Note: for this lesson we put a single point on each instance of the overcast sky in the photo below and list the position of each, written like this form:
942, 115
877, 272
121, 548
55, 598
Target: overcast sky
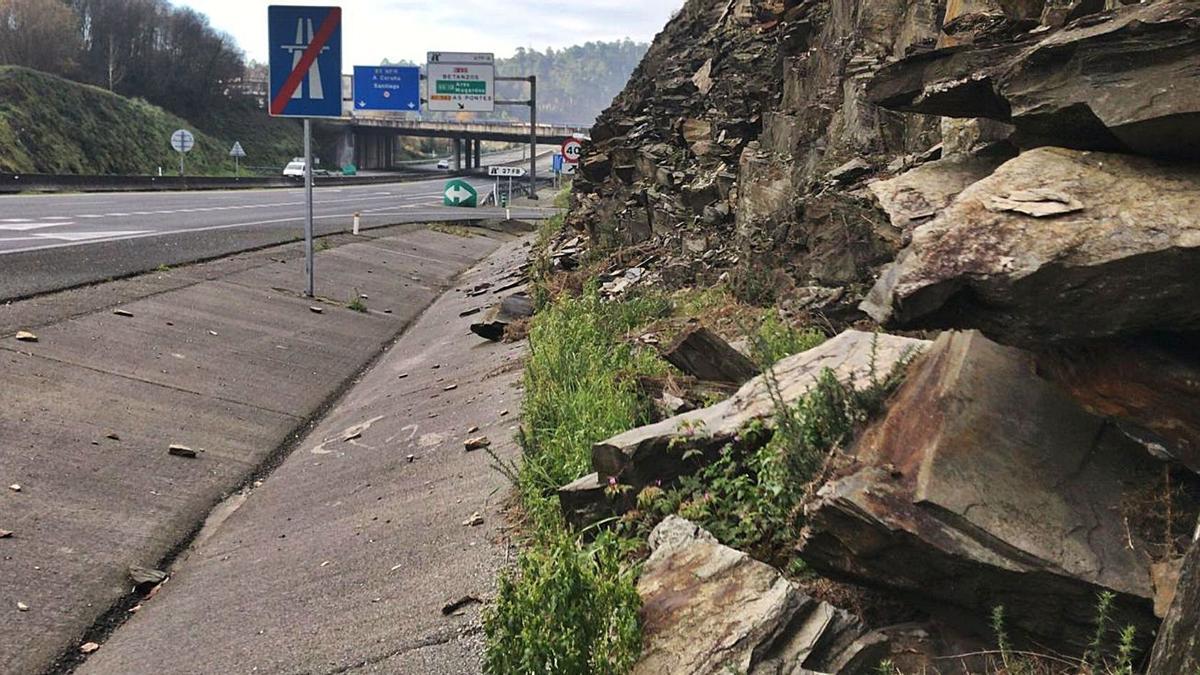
407, 29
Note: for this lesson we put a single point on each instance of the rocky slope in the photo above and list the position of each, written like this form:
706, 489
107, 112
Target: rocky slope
1024, 174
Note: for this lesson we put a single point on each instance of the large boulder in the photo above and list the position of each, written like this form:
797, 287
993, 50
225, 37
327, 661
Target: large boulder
987, 485
710, 609
1123, 80
919, 195
1056, 245
1177, 649
656, 452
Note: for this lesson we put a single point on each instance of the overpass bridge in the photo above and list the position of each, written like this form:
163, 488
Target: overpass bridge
371, 142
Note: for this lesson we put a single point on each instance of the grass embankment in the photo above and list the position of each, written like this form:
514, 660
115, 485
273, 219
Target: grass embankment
52, 125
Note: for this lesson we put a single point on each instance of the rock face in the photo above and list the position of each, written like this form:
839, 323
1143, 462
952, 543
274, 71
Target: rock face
1177, 649
917, 196
655, 452
1149, 386
709, 609
986, 485
745, 127
1120, 81
701, 353
1056, 245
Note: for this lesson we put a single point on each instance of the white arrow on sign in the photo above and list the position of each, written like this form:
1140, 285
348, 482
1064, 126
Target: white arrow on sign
457, 194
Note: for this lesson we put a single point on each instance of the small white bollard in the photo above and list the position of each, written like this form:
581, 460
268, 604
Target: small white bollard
356, 223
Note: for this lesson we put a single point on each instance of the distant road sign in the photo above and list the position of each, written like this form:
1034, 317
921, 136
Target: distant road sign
510, 171
461, 82
387, 88
306, 61
571, 150
183, 141
460, 193
237, 150
556, 163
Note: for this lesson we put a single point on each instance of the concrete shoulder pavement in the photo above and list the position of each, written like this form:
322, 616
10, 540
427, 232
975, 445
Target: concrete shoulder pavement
346, 557
224, 358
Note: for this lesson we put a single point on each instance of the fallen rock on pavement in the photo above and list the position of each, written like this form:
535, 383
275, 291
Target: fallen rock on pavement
26, 336
987, 485
513, 308
181, 451
707, 608
1122, 80
1123, 264
144, 576
1177, 649
701, 353
640, 456
477, 443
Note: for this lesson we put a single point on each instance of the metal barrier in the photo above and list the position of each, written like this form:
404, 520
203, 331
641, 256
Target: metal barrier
34, 182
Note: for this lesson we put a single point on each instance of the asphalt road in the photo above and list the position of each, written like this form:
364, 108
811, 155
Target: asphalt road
52, 242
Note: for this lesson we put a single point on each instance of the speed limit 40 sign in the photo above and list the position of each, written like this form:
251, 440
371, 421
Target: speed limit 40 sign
571, 149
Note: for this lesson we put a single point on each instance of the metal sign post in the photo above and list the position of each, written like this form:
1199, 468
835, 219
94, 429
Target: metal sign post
532, 103
306, 81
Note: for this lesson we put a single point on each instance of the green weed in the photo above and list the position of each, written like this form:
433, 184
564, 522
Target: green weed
568, 608
776, 339
357, 304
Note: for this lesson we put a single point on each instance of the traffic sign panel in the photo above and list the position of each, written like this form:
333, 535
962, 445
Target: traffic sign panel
511, 171
183, 141
571, 150
306, 61
237, 150
461, 82
387, 88
460, 193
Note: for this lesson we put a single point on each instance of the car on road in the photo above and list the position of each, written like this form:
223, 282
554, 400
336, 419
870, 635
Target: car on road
295, 169
444, 164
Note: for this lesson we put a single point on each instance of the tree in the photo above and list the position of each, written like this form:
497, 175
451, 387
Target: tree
39, 34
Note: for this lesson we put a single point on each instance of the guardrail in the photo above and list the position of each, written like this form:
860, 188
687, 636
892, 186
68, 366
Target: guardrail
35, 182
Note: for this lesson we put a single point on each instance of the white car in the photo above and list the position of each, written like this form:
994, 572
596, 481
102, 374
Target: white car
295, 169
444, 165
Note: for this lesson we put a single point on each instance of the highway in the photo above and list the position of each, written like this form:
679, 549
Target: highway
51, 242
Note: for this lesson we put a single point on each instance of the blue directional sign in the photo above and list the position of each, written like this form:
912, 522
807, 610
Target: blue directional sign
306, 61
396, 88
557, 163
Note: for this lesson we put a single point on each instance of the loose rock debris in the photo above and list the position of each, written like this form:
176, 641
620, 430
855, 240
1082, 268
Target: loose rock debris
475, 519
5, 534
477, 443
125, 313
26, 336
454, 606
15, 487
181, 451
88, 647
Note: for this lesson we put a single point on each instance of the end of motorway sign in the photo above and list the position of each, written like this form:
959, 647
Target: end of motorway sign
305, 61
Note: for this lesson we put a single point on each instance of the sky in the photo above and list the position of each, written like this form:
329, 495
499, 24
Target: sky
374, 30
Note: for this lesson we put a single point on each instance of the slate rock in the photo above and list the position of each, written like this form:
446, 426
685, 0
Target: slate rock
1120, 81
987, 485
1119, 259
640, 456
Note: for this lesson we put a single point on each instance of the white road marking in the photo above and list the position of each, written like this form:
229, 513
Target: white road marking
31, 226
86, 236
14, 220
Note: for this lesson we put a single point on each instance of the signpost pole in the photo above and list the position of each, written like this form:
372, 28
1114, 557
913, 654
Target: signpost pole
181, 164
533, 136
308, 217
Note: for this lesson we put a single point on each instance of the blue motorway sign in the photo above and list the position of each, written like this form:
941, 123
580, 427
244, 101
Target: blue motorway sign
557, 163
387, 88
306, 61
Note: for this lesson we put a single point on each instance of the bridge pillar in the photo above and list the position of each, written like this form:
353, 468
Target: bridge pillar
478, 153
458, 154
346, 148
